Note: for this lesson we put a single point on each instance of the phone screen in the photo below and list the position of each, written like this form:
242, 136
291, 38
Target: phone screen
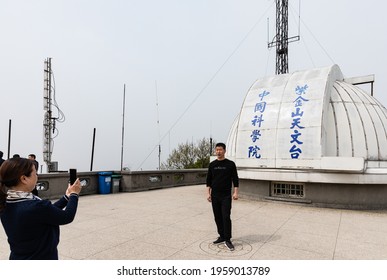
73, 176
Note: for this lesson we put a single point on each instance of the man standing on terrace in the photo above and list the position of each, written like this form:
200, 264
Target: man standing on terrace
222, 174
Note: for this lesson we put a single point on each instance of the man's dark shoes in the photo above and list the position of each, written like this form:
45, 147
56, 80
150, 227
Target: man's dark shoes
219, 240
229, 245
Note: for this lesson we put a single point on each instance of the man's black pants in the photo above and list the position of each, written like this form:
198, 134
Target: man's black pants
221, 206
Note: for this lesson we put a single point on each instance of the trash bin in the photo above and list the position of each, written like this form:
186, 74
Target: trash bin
105, 182
116, 179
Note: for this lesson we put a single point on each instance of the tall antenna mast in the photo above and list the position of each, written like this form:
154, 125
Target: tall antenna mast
158, 124
48, 124
281, 39
123, 130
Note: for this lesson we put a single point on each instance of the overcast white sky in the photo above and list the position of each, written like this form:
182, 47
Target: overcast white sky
202, 54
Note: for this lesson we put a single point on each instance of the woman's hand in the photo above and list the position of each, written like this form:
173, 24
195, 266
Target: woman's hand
74, 188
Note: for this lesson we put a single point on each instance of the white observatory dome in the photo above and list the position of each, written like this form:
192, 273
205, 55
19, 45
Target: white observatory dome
309, 124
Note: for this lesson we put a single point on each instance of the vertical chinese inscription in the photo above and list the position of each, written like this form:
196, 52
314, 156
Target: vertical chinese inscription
256, 123
296, 125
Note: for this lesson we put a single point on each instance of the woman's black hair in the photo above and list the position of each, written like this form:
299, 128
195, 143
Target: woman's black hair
10, 172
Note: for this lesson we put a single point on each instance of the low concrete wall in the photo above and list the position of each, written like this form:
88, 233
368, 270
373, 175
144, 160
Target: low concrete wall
360, 196
346, 196
148, 180
54, 185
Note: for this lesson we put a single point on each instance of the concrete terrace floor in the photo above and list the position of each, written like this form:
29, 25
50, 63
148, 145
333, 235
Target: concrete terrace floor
177, 224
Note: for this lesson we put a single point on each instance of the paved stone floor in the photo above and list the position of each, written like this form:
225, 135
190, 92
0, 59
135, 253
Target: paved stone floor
177, 224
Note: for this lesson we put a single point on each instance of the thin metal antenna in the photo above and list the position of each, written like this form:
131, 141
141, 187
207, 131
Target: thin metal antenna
92, 149
158, 124
123, 130
211, 138
299, 19
268, 31
9, 138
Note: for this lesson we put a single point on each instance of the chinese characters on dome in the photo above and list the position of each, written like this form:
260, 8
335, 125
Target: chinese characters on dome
256, 123
296, 125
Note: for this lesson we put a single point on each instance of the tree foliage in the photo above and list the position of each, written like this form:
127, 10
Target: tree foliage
189, 155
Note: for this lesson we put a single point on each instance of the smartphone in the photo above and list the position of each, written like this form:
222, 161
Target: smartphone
73, 175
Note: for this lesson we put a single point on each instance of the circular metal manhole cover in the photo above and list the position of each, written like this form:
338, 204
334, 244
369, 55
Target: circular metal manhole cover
241, 248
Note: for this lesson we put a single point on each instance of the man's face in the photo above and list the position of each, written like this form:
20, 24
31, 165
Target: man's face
219, 151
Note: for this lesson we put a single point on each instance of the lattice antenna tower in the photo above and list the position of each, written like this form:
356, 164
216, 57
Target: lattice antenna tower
281, 39
48, 124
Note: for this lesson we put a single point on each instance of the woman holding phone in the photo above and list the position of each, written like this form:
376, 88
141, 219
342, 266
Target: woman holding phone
32, 224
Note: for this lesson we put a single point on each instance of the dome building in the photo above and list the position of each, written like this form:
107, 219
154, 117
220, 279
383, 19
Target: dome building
311, 137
